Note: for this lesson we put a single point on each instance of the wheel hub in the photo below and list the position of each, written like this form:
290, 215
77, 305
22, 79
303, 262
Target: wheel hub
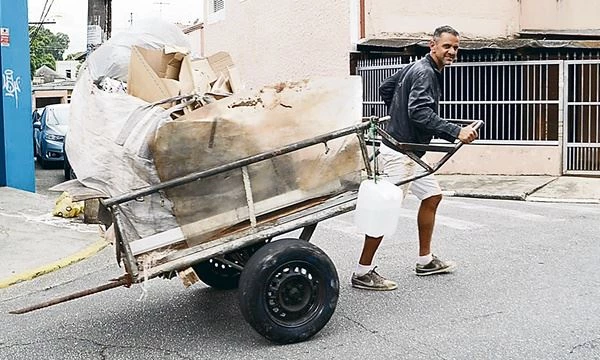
292, 294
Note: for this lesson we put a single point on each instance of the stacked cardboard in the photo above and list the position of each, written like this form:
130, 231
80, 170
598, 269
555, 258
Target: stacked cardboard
183, 115
155, 75
236, 124
248, 124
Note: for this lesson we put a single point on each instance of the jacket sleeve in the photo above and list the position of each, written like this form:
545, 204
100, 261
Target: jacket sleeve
420, 109
388, 87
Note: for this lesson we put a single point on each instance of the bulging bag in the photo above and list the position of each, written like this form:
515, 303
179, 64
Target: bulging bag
378, 208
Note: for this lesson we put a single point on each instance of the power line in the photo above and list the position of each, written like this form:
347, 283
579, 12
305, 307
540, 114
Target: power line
43, 10
42, 19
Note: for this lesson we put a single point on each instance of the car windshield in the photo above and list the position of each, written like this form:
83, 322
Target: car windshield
58, 115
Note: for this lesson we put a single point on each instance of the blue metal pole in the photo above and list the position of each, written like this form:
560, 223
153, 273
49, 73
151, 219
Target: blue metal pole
17, 167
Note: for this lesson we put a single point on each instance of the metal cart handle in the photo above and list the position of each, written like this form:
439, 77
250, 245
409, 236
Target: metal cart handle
410, 148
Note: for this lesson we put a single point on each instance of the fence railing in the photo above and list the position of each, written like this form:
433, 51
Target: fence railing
522, 102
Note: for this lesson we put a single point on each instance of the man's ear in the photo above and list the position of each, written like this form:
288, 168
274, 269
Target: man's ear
431, 44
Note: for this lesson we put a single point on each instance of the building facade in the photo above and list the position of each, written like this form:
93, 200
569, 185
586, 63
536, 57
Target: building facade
68, 69
529, 68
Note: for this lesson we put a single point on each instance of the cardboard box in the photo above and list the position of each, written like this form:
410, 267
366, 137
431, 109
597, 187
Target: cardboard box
149, 72
156, 75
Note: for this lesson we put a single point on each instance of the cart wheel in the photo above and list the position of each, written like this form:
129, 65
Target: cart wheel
219, 275
288, 290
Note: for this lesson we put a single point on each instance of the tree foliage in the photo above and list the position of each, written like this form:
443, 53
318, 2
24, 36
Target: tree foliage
45, 47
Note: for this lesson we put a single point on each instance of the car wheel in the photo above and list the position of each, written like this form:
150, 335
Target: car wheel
216, 274
68, 170
44, 164
288, 290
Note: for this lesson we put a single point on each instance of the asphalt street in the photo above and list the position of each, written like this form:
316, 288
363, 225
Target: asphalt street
527, 287
46, 178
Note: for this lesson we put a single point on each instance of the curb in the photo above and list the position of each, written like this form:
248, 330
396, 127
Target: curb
452, 193
522, 197
567, 201
42, 270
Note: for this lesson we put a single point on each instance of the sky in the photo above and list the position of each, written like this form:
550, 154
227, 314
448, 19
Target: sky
71, 15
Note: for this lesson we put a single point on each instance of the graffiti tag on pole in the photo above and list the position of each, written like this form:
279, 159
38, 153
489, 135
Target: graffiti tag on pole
11, 85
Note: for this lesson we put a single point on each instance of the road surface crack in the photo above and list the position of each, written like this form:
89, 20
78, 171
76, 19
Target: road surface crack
591, 344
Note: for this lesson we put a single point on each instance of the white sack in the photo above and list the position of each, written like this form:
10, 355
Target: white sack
112, 58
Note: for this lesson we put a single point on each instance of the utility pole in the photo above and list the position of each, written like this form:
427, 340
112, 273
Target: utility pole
160, 4
17, 168
99, 23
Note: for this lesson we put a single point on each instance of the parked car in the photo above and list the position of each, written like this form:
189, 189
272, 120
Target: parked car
35, 118
49, 134
69, 173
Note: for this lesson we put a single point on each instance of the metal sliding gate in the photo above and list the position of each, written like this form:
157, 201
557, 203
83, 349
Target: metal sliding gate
540, 102
582, 117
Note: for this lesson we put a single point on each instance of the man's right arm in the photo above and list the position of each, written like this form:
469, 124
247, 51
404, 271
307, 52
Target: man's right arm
421, 102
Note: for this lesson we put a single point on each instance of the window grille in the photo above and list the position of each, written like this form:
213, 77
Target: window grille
217, 5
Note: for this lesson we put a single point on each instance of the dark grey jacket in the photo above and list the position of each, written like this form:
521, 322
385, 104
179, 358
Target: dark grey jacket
412, 96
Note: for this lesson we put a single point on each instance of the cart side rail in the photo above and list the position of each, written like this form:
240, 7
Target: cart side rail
356, 129
337, 205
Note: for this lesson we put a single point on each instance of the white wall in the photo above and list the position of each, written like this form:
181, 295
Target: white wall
502, 160
560, 14
63, 66
272, 41
473, 18
195, 39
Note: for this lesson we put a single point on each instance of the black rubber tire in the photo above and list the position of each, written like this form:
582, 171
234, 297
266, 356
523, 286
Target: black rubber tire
288, 290
44, 164
219, 275
68, 170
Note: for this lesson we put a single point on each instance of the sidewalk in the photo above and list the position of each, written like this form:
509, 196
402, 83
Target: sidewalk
570, 189
33, 242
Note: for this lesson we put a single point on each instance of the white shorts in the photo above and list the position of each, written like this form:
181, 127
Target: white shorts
397, 166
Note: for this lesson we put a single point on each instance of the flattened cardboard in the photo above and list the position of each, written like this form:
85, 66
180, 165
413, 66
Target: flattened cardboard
247, 124
154, 58
235, 81
154, 75
143, 81
203, 75
220, 63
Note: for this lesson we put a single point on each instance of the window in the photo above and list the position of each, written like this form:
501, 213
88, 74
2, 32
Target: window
68, 73
217, 5
216, 11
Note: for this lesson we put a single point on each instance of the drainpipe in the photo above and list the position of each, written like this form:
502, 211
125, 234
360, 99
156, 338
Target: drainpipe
362, 19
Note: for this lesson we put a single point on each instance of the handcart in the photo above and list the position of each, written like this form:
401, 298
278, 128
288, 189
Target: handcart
288, 287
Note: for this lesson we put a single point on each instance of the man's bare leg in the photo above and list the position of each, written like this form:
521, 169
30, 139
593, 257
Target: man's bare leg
365, 276
427, 264
369, 248
426, 222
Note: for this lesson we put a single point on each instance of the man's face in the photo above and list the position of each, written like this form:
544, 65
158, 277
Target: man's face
444, 49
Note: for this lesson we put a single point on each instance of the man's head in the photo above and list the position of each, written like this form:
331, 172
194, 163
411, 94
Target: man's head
444, 46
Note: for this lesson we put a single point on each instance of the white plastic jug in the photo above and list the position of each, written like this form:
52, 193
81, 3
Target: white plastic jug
378, 207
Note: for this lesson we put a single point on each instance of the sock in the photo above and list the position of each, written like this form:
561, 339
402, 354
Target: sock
425, 259
362, 269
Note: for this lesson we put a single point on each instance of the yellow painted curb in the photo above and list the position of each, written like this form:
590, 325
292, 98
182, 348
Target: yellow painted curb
81, 255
